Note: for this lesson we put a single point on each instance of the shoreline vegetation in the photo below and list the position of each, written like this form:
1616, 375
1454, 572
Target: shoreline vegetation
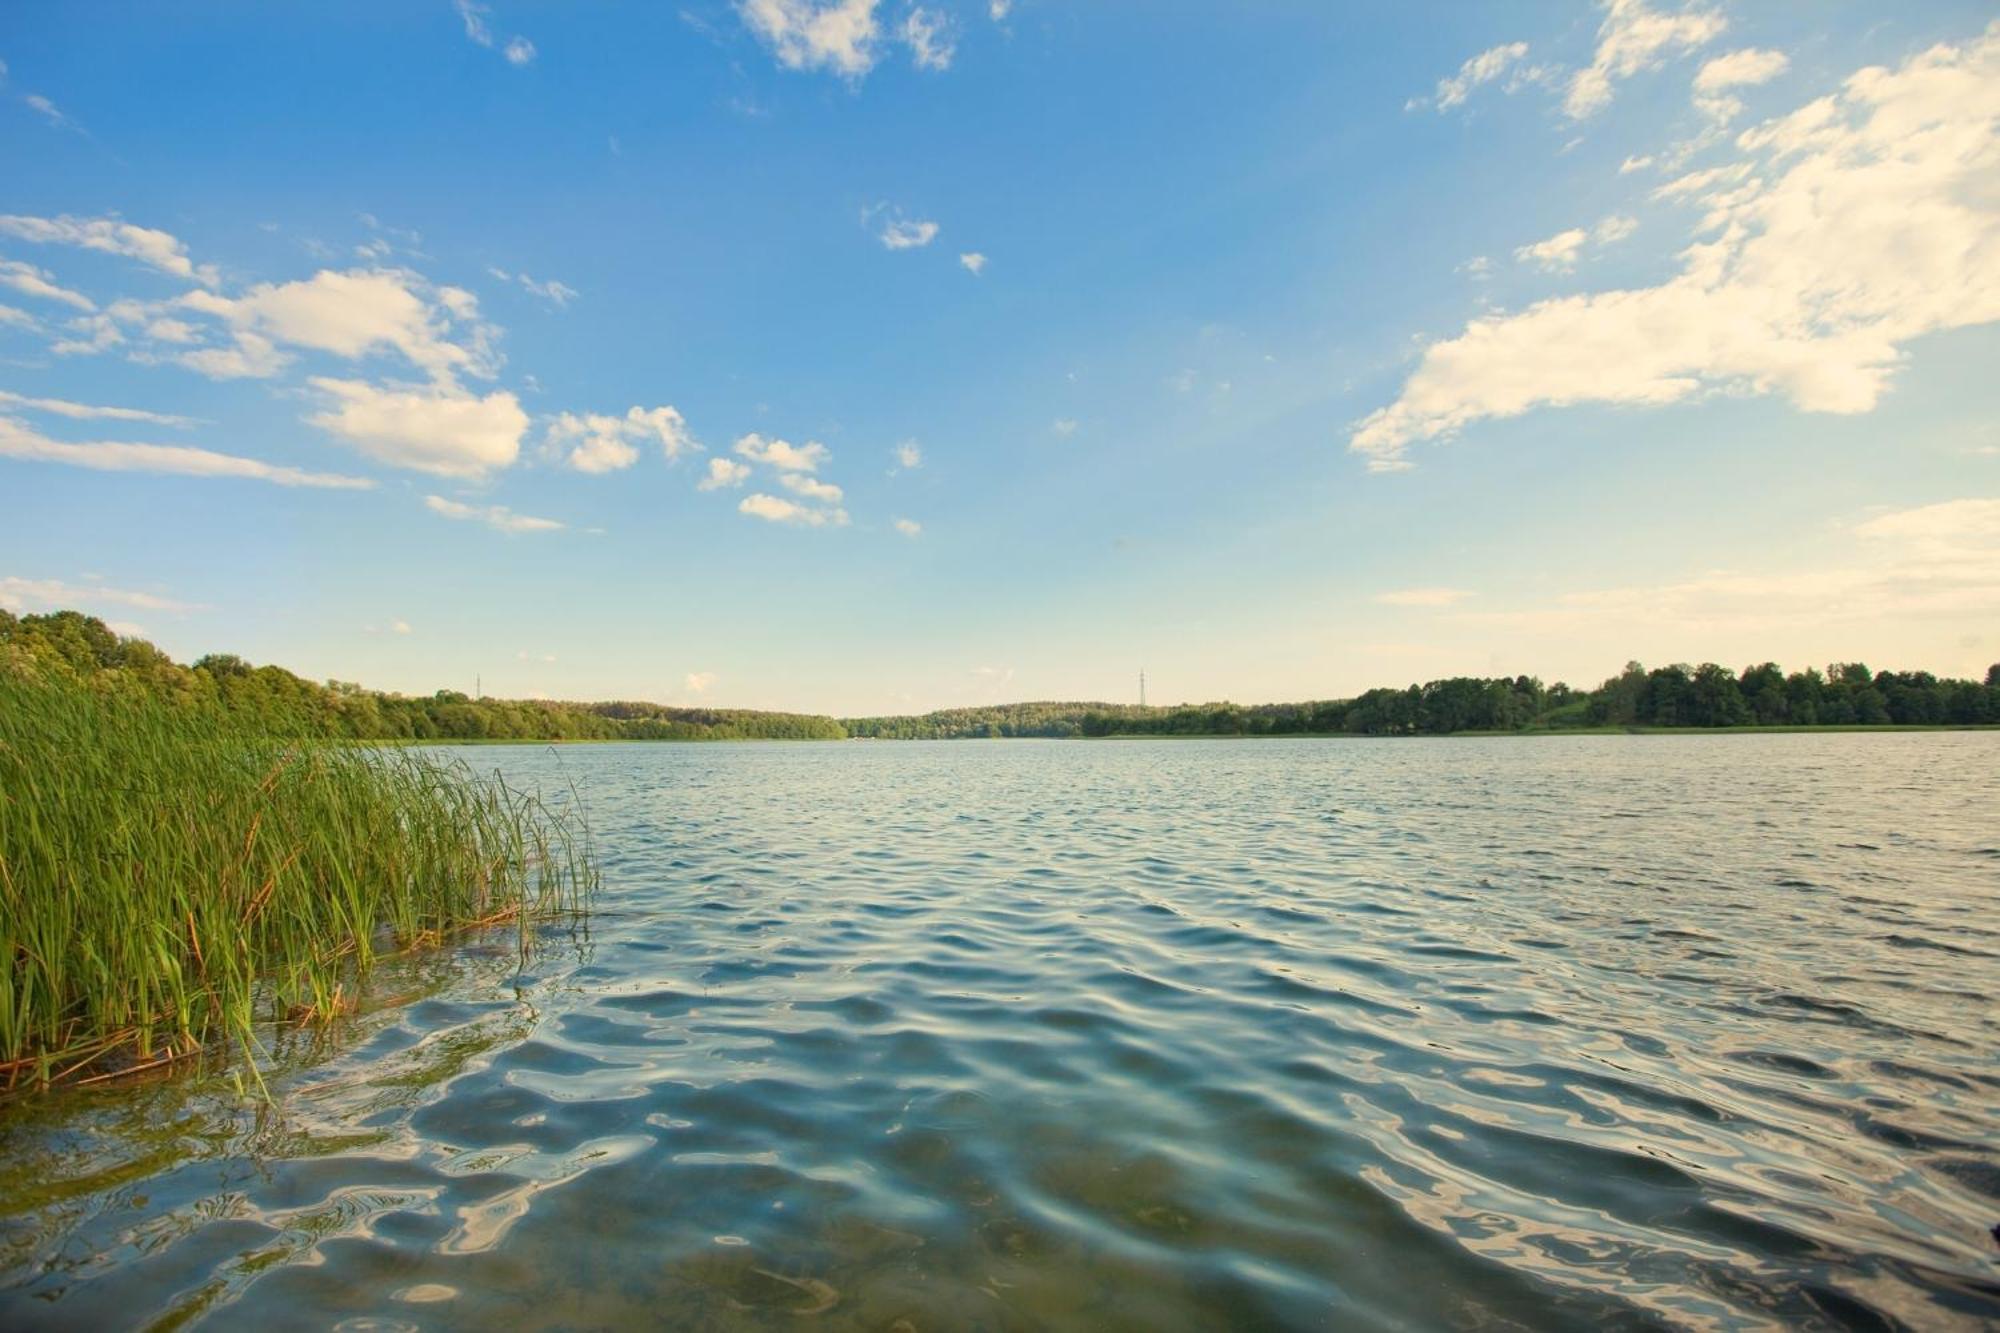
173, 879
273, 702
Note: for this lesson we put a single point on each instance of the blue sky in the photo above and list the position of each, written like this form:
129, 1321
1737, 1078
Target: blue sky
871, 357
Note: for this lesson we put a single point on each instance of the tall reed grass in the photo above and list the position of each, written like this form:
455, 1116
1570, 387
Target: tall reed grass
169, 879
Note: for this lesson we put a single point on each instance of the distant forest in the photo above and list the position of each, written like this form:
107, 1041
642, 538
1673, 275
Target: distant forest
280, 703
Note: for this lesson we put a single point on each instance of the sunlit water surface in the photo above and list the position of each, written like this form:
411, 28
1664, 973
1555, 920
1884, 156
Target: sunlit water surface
1572, 1032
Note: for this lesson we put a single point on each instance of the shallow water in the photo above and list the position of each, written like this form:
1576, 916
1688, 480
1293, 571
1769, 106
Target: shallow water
1576, 1032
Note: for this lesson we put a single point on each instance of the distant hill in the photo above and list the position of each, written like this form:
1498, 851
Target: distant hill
1845, 694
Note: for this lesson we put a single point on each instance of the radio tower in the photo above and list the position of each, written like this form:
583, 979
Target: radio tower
1142, 687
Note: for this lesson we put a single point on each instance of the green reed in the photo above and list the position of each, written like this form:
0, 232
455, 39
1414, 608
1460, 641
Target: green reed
169, 878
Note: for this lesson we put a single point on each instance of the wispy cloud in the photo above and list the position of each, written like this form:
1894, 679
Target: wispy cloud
909, 527
87, 412
1423, 597
973, 262
111, 235
929, 36
908, 234
498, 517
517, 51
19, 594
18, 441
1481, 69
31, 281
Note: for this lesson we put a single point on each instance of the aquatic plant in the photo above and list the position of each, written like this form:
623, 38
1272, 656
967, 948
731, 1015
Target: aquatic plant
170, 877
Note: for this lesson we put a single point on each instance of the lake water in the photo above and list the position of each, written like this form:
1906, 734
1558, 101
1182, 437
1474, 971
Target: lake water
1544, 1033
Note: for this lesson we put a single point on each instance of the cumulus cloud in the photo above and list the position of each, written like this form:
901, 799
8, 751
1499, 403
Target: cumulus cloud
908, 234
723, 472
798, 483
1849, 228
87, 412
1423, 597
596, 443
111, 235
909, 527
775, 509
838, 35
445, 432
973, 262
349, 314
498, 517
18, 441
32, 281
909, 455
697, 682
781, 455
1064, 426
928, 34
1632, 38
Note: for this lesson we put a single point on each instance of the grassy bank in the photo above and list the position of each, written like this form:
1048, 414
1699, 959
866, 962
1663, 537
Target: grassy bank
169, 877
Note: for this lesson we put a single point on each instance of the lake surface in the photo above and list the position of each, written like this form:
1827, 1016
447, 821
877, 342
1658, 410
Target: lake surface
1542, 1033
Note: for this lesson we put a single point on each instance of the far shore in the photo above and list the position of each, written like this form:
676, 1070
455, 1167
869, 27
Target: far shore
1788, 730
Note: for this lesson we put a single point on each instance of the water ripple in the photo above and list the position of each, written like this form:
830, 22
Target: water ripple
1625, 1032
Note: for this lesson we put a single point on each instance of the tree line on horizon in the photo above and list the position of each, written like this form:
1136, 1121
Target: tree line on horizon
71, 644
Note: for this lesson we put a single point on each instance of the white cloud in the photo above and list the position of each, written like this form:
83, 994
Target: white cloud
904, 234
598, 443
1483, 68
32, 281
798, 483
445, 432
86, 412
15, 317
1557, 252
352, 314
973, 262
1852, 226
1637, 162
1946, 524
909, 527
1738, 69
697, 682
773, 509
909, 455
781, 455
19, 594
18, 441
518, 51
1064, 426
557, 294
928, 34
723, 472
498, 517
999, 9
1423, 597
1633, 38
839, 35
1936, 561
110, 235
49, 111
